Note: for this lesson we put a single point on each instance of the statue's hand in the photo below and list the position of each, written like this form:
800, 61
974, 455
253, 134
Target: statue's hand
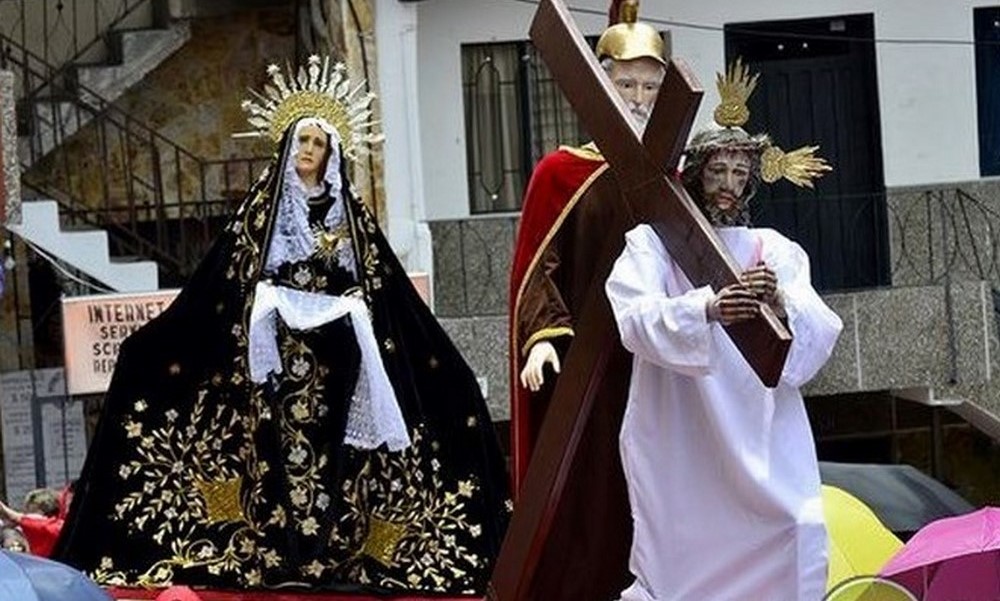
732, 304
763, 283
533, 374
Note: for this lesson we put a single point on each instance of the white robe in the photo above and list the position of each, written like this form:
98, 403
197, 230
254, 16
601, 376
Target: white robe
722, 474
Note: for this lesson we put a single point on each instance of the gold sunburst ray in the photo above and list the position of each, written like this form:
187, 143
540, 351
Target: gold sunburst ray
735, 89
318, 89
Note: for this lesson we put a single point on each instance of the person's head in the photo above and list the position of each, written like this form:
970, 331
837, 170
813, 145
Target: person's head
634, 56
638, 82
43, 501
313, 144
11, 539
722, 173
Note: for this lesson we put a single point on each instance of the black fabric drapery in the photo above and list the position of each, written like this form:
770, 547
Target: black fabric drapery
198, 476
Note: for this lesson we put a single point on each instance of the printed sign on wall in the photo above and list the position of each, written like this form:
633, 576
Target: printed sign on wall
94, 328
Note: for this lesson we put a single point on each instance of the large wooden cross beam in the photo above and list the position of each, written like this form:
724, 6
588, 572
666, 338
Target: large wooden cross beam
643, 170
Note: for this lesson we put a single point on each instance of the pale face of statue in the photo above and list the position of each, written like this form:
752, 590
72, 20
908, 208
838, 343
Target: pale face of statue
724, 180
313, 146
638, 81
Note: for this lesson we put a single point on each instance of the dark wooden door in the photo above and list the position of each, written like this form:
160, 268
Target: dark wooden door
987, 28
818, 86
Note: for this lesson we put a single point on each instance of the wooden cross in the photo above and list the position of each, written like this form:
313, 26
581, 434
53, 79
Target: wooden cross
643, 171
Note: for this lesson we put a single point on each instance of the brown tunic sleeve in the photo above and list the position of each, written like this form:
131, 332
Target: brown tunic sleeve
543, 313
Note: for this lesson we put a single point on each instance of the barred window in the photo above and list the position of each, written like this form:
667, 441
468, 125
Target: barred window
514, 114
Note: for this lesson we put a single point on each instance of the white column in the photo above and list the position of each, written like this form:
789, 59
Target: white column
396, 42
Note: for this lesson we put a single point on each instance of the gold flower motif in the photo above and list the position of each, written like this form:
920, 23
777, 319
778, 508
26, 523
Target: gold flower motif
466, 488
300, 411
315, 569
134, 429
309, 526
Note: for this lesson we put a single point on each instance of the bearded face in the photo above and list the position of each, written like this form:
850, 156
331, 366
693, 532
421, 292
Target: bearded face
638, 82
722, 182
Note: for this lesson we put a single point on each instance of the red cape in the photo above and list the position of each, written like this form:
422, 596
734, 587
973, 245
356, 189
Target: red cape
559, 178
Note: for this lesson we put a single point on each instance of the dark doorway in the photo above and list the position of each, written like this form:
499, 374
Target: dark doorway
987, 27
818, 86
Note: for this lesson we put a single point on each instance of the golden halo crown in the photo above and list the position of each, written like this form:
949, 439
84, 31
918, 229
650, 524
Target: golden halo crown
800, 166
735, 89
321, 90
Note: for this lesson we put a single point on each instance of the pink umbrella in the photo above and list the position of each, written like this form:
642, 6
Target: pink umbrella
952, 559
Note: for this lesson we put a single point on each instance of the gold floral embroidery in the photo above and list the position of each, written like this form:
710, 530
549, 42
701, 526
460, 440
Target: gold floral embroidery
195, 485
407, 488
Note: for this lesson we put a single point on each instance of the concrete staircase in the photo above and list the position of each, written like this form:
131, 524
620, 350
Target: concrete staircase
85, 89
85, 250
134, 53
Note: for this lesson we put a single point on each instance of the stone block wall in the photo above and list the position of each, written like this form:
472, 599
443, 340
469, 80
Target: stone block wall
934, 329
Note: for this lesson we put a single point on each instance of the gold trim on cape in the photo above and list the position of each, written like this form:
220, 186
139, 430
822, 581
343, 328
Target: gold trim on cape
545, 334
541, 247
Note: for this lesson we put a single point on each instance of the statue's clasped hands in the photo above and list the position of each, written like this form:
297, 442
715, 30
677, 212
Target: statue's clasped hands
741, 301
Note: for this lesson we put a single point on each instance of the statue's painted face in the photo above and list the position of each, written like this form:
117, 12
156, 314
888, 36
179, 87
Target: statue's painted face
724, 180
638, 81
313, 146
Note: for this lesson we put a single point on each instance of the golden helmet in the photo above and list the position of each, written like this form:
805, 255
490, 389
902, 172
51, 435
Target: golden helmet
630, 39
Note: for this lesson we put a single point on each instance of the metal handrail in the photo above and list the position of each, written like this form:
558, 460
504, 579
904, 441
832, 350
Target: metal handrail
156, 198
65, 32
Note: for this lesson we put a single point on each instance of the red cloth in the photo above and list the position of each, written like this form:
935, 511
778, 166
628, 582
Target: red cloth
133, 594
65, 500
178, 593
556, 179
41, 532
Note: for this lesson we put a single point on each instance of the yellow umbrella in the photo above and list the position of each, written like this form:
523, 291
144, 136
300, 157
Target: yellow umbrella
859, 543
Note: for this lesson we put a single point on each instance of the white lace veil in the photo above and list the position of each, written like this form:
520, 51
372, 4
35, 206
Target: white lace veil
292, 239
374, 415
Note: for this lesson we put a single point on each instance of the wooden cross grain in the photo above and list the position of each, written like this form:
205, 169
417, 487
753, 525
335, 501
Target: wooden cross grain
643, 175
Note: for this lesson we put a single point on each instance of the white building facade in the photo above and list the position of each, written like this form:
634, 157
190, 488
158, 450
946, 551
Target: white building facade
920, 320
926, 90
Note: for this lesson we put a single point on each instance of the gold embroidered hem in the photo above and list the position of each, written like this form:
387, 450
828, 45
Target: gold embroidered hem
545, 334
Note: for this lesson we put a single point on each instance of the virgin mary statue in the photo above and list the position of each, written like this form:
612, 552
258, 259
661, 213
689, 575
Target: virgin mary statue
297, 417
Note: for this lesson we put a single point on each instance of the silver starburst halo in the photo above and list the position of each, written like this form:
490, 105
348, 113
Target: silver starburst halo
319, 89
